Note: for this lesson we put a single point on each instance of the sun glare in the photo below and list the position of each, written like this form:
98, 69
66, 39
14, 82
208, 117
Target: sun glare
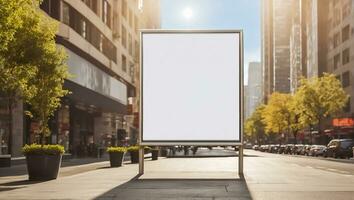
188, 13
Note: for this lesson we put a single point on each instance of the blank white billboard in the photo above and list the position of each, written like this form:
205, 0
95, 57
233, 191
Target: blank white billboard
191, 87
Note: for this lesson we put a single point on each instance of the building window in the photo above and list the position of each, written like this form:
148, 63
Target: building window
345, 56
131, 70
51, 7
66, 16
130, 45
336, 40
83, 28
124, 63
92, 4
346, 79
88, 31
124, 36
115, 26
347, 107
106, 13
124, 9
345, 33
336, 61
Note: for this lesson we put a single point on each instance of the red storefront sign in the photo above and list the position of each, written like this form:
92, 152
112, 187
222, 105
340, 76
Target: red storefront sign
343, 122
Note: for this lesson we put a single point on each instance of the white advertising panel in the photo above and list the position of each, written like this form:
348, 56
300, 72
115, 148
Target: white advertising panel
191, 87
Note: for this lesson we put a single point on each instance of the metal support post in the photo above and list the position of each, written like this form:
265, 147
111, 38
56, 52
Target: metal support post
141, 160
240, 161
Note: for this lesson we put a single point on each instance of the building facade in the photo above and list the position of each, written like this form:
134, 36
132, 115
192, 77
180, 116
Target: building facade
254, 86
102, 41
340, 55
266, 47
276, 29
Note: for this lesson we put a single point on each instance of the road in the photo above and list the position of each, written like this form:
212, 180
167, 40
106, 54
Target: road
266, 176
273, 176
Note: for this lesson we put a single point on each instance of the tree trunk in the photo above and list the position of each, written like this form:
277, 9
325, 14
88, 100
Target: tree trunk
10, 108
295, 136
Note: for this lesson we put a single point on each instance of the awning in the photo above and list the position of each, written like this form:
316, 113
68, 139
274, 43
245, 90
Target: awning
91, 98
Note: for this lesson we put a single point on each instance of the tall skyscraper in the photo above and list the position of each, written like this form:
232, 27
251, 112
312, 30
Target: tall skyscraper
254, 86
340, 47
276, 29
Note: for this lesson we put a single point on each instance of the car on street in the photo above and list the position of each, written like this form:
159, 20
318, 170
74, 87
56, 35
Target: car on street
288, 148
296, 149
255, 147
305, 150
339, 148
317, 150
281, 149
274, 148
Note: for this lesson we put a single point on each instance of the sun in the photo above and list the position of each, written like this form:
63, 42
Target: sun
188, 13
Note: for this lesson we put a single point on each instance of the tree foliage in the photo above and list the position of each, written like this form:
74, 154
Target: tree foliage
31, 66
276, 113
318, 98
254, 126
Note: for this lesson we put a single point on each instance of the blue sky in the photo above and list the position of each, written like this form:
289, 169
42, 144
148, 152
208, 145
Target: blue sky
217, 14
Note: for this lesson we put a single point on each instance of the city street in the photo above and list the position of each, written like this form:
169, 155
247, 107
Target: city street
267, 176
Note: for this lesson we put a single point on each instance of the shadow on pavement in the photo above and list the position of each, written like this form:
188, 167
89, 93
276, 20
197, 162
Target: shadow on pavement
156, 189
18, 170
21, 182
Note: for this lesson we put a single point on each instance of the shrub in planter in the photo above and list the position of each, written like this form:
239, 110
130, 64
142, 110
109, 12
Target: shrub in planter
43, 161
134, 153
147, 149
116, 155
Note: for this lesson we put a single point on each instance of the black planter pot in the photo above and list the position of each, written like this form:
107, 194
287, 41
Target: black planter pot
163, 152
116, 158
154, 154
134, 156
43, 167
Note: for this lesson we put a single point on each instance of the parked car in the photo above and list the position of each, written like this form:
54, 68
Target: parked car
274, 148
305, 150
317, 150
339, 148
288, 148
266, 148
262, 148
297, 149
248, 146
255, 147
281, 149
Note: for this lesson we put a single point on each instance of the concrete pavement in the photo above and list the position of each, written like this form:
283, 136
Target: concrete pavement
267, 176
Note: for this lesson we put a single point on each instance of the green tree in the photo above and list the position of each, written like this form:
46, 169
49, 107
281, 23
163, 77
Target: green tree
51, 73
254, 126
276, 114
318, 98
31, 67
16, 56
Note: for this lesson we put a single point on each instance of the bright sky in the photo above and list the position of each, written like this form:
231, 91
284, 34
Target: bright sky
217, 14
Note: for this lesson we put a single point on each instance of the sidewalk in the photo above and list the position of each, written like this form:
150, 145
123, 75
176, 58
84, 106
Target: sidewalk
166, 178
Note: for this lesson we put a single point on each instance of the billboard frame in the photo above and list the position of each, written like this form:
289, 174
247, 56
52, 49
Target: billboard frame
238, 143
241, 93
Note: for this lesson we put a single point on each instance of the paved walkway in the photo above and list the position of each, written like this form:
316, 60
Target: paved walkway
267, 176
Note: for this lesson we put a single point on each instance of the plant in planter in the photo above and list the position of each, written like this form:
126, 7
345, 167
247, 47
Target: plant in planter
43, 161
134, 153
154, 153
116, 155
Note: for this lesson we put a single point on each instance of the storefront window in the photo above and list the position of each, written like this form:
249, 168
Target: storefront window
64, 126
4, 126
